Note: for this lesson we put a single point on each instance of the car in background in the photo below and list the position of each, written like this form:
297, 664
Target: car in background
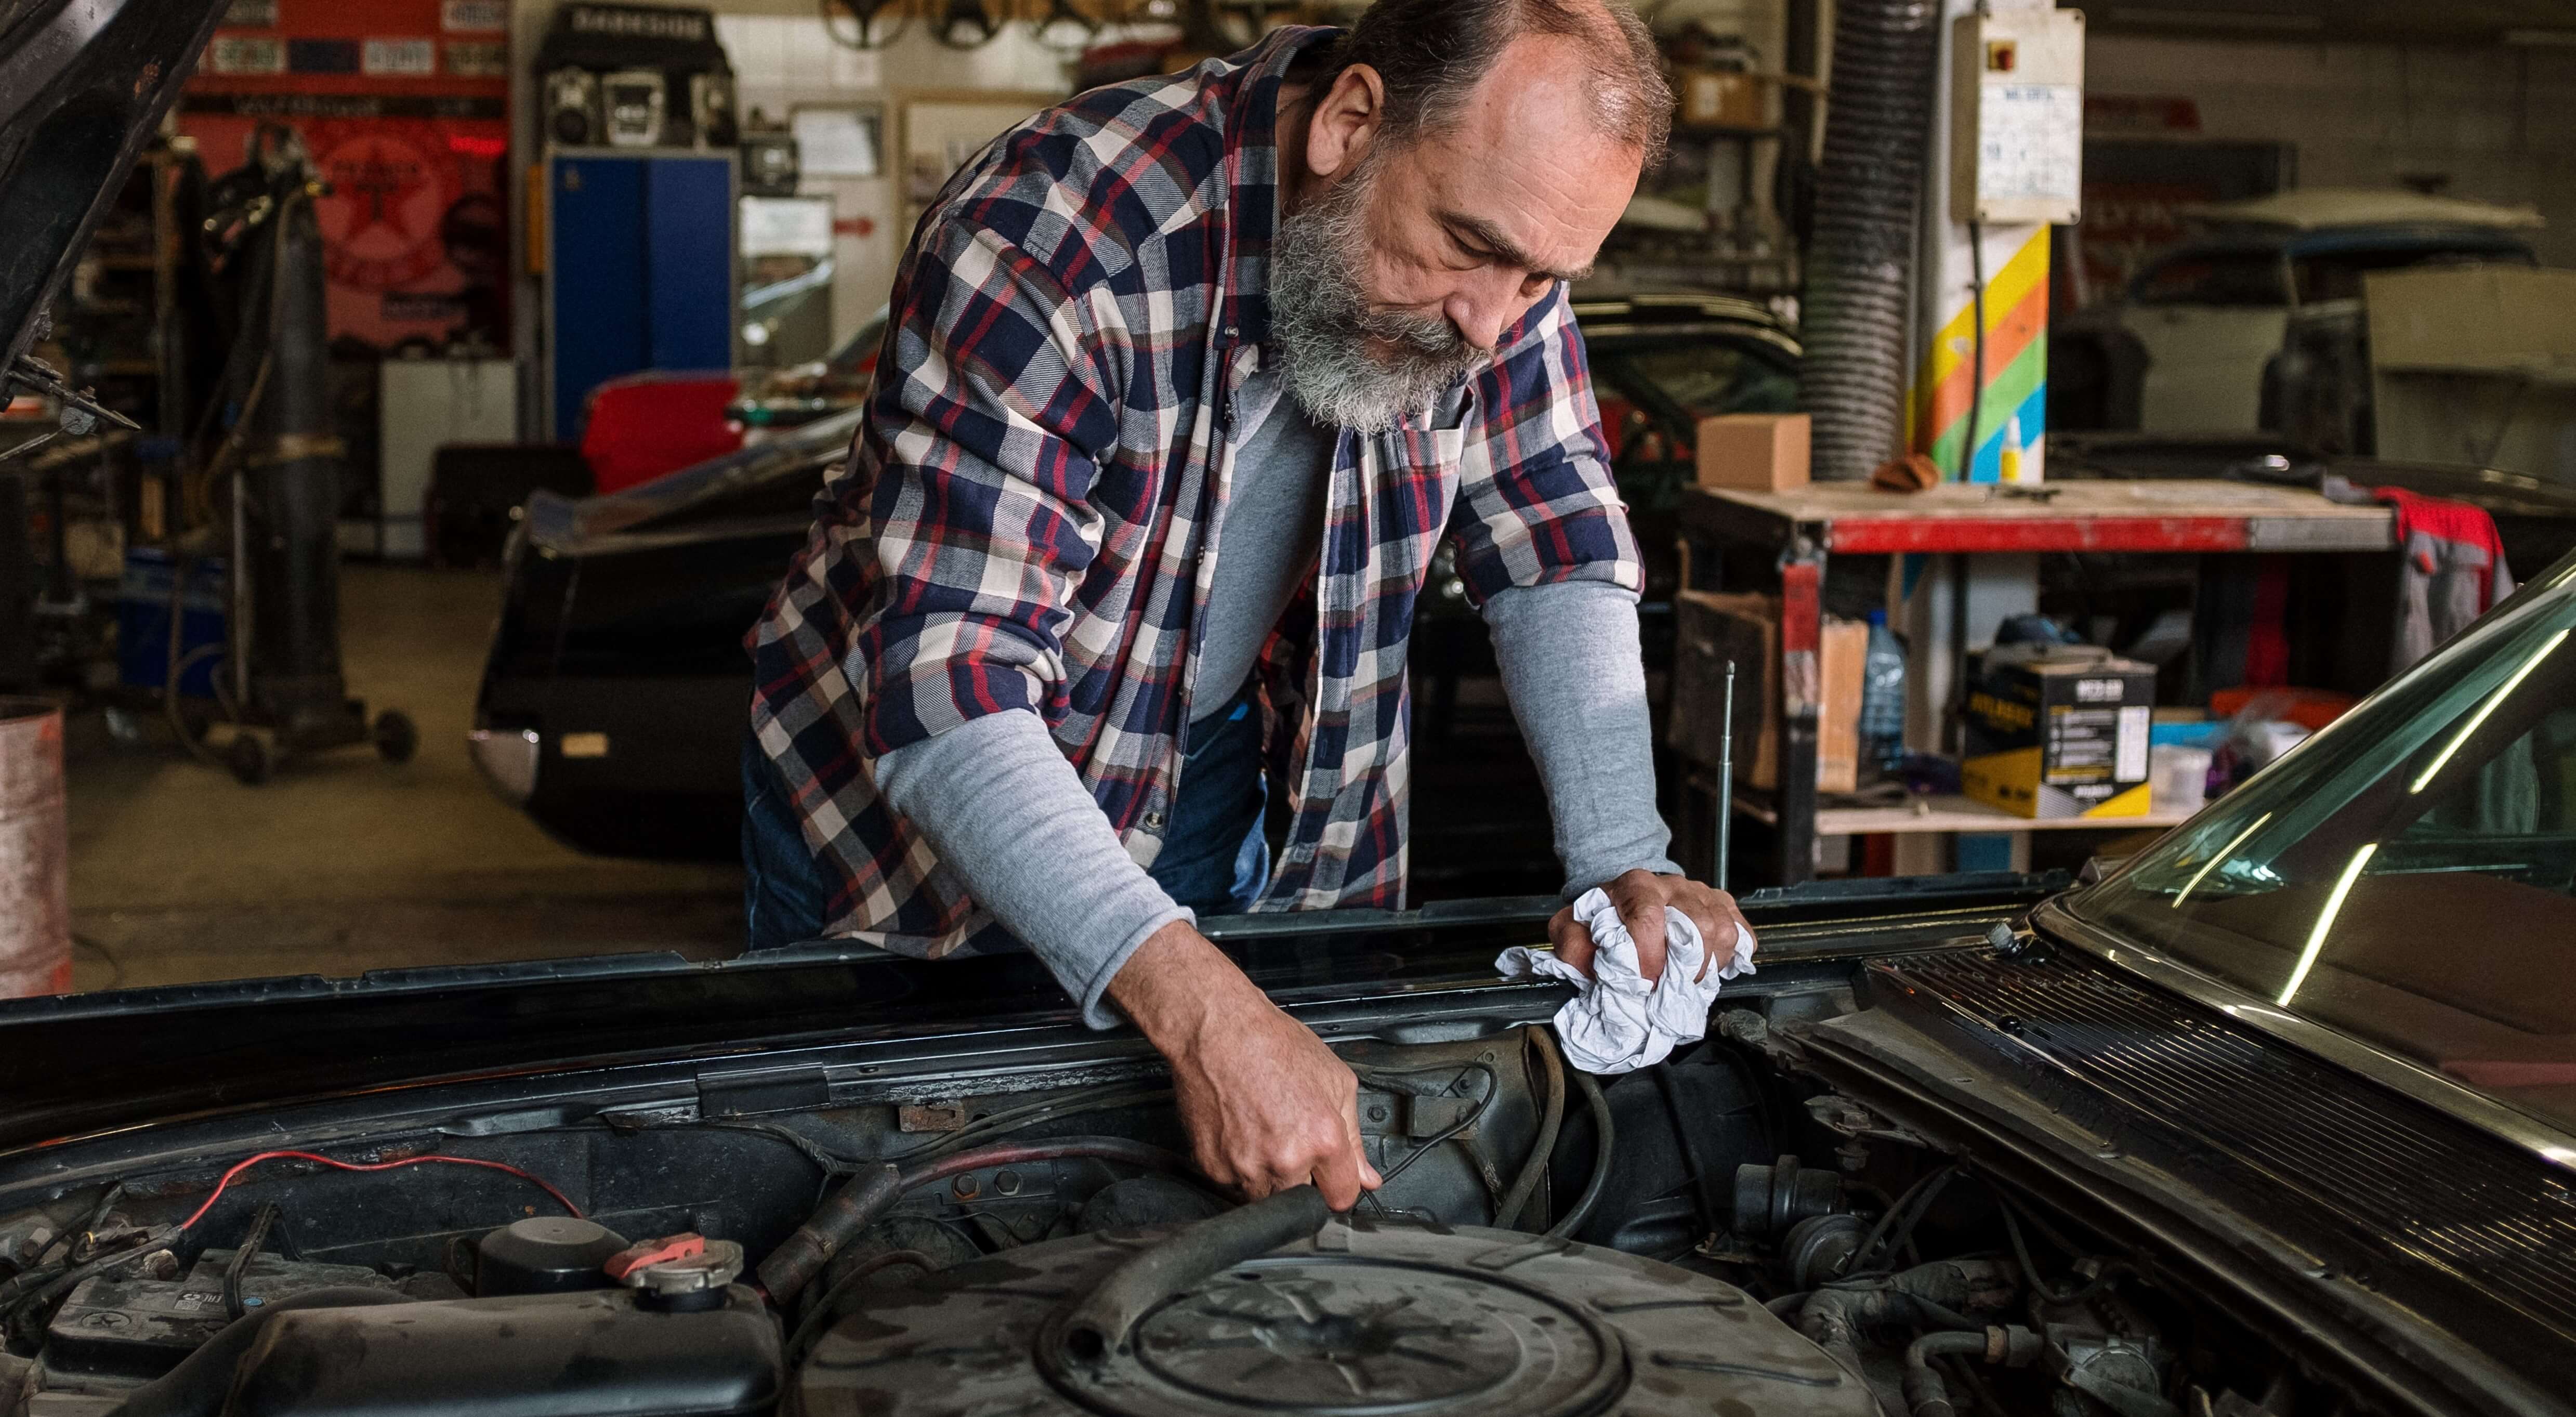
613, 700
770, 400
2196, 343
642, 426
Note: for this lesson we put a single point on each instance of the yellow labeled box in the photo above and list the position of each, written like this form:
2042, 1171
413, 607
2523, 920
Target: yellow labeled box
2059, 731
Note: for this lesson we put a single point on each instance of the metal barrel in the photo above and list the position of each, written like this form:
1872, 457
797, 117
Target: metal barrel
35, 852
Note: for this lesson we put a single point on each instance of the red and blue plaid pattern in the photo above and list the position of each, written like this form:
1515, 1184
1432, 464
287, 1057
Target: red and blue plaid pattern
1028, 518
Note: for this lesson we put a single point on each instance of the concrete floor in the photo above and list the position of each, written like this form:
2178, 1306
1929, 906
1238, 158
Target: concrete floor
344, 863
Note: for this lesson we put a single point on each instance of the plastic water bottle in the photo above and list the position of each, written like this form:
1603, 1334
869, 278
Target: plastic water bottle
1882, 697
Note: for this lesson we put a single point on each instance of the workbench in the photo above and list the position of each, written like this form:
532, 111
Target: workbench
1794, 532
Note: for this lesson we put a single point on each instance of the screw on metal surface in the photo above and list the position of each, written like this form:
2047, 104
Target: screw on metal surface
1007, 1182
966, 1187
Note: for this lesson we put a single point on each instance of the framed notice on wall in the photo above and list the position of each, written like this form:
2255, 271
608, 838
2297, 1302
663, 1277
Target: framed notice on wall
938, 133
838, 140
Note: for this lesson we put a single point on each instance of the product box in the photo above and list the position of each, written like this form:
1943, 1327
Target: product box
2059, 731
1718, 98
1712, 629
1753, 452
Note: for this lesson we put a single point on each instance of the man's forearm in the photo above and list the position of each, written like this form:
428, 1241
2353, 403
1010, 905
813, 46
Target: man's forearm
1007, 813
1577, 685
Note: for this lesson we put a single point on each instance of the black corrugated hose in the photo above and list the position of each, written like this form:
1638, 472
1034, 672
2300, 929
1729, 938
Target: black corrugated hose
1857, 307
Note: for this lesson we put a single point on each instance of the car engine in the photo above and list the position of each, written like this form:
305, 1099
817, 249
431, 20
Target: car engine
1718, 1233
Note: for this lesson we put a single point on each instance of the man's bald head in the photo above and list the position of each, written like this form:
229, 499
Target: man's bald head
1430, 55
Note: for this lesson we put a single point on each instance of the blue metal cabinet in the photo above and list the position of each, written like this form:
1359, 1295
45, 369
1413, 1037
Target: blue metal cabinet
639, 270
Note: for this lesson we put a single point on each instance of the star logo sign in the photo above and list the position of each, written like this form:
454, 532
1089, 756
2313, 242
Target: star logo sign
380, 222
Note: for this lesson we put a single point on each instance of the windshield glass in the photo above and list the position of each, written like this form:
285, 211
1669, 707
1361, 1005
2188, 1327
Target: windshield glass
2409, 875
2232, 278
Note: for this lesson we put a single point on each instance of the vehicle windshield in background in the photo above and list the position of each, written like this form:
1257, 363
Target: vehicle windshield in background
2235, 278
2409, 876
1709, 377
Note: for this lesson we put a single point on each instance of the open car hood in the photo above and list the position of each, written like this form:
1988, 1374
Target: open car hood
82, 85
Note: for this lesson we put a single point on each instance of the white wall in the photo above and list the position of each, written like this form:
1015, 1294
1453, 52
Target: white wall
2500, 121
783, 60
782, 57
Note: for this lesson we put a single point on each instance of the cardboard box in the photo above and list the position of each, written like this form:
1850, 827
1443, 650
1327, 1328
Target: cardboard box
2055, 731
1719, 98
1710, 630
1754, 452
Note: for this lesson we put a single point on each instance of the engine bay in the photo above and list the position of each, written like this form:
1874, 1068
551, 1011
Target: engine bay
1718, 1233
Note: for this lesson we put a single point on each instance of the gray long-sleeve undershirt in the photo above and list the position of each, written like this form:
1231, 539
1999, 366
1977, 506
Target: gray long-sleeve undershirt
1004, 808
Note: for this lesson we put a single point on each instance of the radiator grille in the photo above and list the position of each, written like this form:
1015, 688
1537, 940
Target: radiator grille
2433, 1188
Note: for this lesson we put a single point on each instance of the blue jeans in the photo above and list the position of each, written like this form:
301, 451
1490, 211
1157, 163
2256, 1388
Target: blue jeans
1214, 858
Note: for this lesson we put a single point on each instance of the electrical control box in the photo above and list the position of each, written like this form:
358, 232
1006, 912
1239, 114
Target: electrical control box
2017, 117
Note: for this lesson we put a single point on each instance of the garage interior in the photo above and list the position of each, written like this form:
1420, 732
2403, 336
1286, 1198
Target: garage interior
576, 258
1829, 708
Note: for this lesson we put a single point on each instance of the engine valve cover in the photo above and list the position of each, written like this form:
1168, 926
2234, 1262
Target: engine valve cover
1366, 1320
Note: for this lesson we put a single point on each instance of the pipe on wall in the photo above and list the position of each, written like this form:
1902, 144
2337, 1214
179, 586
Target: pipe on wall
1857, 309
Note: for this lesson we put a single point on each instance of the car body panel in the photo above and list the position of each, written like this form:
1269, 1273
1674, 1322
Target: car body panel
642, 426
310, 1040
2204, 365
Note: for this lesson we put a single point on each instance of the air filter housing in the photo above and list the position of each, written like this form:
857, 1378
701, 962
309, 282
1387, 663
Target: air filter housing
1364, 1319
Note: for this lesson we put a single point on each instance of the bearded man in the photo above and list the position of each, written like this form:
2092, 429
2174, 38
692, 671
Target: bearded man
1187, 377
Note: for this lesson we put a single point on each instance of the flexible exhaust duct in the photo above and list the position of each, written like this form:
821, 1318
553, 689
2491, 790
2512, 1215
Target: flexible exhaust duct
1856, 310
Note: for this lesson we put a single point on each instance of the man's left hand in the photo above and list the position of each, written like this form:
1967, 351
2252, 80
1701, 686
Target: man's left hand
1641, 897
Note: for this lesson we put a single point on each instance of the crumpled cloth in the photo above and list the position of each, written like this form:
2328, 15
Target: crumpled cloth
1617, 1022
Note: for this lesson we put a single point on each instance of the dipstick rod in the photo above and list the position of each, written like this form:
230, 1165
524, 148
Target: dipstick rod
1725, 782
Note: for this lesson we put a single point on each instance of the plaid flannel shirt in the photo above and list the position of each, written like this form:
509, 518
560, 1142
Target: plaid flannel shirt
1029, 517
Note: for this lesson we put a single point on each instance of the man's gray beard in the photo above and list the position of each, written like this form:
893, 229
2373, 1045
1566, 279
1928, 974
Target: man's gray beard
1323, 325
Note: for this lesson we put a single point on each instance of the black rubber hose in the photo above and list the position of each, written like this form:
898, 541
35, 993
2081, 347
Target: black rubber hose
1925, 1393
1105, 1318
1534, 1170
1892, 1216
856, 1206
262, 1221
1600, 1181
1859, 302
1713, 1213
1976, 352
203, 1380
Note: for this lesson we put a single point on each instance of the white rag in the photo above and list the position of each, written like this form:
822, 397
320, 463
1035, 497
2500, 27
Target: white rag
1617, 1022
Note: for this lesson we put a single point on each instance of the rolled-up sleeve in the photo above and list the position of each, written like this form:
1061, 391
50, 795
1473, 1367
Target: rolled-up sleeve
990, 408
1536, 500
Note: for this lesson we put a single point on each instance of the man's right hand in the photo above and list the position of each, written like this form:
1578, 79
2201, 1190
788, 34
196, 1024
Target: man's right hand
1267, 1105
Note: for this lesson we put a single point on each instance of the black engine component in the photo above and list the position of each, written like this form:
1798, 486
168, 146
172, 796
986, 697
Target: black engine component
1360, 1318
124, 1325
1770, 1199
1681, 1130
592, 1354
1145, 1200
544, 1254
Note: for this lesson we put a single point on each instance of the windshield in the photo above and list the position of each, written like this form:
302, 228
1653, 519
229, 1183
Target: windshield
2409, 875
2245, 279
